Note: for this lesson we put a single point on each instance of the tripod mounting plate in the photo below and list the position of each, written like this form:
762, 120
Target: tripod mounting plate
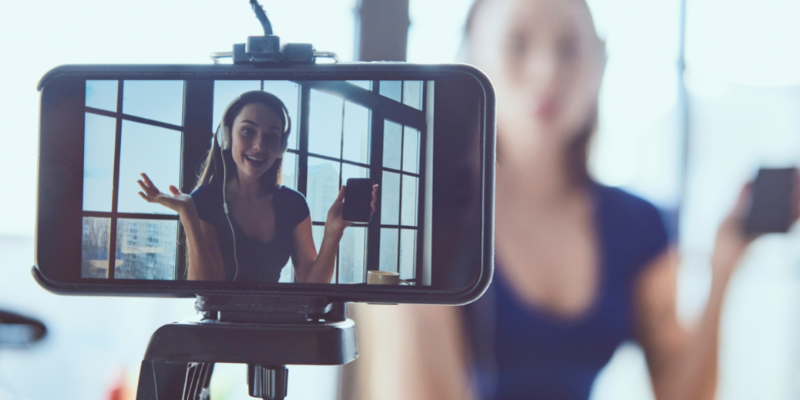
319, 343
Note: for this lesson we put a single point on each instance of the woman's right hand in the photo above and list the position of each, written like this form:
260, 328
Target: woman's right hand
178, 202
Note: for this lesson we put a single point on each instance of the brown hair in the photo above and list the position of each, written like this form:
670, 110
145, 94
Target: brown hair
211, 170
577, 152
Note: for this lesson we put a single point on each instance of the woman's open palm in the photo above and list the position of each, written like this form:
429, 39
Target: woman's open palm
177, 201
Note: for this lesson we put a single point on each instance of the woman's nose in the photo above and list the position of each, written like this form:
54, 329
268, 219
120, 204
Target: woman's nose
542, 68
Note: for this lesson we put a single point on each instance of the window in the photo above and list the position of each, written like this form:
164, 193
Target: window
130, 127
354, 133
340, 130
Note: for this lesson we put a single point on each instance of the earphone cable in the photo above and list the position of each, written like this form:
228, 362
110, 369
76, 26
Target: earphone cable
225, 207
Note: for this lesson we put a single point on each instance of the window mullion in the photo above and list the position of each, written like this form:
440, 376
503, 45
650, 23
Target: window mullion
376, 173
112, 234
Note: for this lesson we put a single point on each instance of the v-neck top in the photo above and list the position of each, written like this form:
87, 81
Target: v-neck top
521, 352
258, 261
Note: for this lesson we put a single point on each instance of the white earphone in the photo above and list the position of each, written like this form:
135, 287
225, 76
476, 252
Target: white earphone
223, 133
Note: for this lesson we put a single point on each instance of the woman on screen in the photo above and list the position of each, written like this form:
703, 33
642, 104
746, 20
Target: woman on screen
241, 224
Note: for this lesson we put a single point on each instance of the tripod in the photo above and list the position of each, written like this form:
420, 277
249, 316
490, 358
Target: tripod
265, 332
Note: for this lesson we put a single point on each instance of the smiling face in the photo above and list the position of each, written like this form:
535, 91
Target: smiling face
256, 134
546, 63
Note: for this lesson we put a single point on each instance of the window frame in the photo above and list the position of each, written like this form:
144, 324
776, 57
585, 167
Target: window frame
115, 215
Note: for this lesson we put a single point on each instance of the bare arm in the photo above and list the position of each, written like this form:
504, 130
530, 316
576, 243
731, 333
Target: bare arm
425, 358
683, 365
205, 258
311, 267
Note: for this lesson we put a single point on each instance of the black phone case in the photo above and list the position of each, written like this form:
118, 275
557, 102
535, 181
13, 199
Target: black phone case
357, 199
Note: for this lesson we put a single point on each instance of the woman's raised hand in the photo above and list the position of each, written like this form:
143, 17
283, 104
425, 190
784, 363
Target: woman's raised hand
178, 202
335, 220
732, 241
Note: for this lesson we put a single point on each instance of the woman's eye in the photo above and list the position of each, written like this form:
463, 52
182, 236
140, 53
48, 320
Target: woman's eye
568, 50
247, 131
516, 46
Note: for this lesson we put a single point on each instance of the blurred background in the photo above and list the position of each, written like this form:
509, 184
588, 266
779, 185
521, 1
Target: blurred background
684, 138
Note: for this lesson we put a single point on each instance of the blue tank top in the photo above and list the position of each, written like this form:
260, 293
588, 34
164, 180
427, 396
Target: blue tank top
521, 352
258, 261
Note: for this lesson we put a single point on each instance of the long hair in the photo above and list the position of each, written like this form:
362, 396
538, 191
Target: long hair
576, 155
211, 170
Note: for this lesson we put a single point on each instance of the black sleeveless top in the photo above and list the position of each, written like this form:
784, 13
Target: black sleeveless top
258, 261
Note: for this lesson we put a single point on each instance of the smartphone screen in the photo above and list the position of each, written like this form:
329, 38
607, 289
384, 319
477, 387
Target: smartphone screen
771, 207
415, 131
357, 199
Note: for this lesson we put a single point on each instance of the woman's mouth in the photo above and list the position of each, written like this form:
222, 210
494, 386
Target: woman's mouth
256, 162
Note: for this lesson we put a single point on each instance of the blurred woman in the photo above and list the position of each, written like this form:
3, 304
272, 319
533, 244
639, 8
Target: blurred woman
580, 267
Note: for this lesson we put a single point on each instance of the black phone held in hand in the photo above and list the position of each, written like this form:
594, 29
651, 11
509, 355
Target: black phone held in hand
771, 206
357, 199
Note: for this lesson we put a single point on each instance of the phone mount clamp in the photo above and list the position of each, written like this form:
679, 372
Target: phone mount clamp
267, 49
265, 332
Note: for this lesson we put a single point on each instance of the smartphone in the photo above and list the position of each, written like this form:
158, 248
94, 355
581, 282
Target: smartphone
772, 205
416, 131
357, 199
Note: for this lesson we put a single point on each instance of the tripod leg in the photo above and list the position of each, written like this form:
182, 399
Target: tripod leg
267, 382
198, 377
160, 380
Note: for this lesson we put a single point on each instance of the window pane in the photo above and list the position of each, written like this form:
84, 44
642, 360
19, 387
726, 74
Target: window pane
94, 247
323, 187
98, 162
388, 259
390, 198
289, 169
409, 209
364, 84
353, 255
410, 149
325, 124
392, 140
154, 151
288, 92
412, 94
225, 92
157, 100
102, 95
408, 252
146, 249
287, 273
391, 89
356, 133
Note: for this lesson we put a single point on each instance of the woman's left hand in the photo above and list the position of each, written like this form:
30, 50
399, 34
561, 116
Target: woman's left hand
732, 241
335, 222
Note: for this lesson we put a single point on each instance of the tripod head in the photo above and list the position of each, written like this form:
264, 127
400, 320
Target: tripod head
266, 50
265, 332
